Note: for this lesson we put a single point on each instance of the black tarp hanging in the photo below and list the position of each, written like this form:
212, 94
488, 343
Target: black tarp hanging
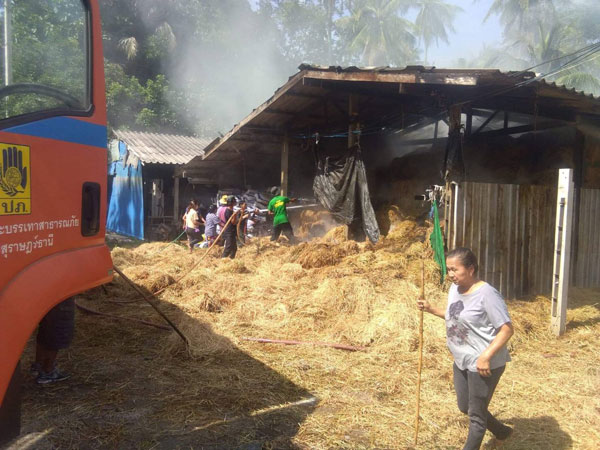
340, 185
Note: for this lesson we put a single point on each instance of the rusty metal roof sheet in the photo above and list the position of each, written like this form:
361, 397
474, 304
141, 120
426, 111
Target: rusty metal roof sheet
422, 74
163, 148
316, 97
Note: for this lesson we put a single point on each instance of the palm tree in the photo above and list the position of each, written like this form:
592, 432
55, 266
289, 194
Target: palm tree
434, 21
516, 13
540, 34
377, 31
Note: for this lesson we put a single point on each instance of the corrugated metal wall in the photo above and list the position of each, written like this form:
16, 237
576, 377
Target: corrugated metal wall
511, 230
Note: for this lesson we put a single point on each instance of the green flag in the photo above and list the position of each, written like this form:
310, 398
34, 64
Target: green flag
437, 243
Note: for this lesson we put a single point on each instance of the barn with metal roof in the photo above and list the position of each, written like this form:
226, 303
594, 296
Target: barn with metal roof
514, 131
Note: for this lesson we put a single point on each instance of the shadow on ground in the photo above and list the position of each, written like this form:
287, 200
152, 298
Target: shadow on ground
131, 388
537, 433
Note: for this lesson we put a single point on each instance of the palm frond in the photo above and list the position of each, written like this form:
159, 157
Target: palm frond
166, 33
129, 46
581, 81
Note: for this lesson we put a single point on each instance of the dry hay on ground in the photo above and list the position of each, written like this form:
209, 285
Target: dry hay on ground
138, 384
313, 223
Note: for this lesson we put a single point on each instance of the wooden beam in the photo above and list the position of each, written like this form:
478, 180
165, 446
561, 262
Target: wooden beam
494, 133
362, 76
285, 154
487, 121
469, 124
420, 124
524, 129
256, 138
301, 95
267, 130
454, 118
353, 115
176, 199
295, 114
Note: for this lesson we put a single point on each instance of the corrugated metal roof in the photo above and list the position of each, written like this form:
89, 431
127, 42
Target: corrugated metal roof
562, 87
317, 97
460, 76
163, 148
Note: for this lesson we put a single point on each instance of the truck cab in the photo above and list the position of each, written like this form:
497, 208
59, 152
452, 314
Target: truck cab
53, 159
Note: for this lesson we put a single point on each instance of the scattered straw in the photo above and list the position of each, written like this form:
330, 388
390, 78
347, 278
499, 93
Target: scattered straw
134, 386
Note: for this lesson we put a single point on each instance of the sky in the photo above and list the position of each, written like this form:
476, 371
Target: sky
471, 34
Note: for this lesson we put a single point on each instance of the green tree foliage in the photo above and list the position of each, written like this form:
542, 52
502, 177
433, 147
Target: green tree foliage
364, 32
44, 34
186, 66
220, 58
434, 22
377, 32
543, 33
199, 66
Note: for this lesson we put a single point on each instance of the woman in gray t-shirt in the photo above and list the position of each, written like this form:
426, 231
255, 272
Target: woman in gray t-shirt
477, 329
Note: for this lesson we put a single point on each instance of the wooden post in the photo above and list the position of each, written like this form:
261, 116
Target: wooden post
469, 125
455, 197
562, 251
454, 120
353, 116
176, 217
420, 366
285, 155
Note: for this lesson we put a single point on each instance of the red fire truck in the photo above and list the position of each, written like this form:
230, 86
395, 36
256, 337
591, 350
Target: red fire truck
53, 154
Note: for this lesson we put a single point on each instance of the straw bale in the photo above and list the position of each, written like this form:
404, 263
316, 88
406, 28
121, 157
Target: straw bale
387, 215
313, 255
314, 223
232, 266
403, 231
336, 235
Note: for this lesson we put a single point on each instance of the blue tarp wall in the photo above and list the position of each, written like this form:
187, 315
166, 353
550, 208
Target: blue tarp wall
125, 192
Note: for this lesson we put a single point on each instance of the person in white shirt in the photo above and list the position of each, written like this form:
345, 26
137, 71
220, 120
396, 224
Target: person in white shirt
478, 328
193, 221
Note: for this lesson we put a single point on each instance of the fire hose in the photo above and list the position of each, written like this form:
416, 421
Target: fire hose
154, 294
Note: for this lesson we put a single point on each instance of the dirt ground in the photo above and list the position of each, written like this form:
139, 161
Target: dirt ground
135, 386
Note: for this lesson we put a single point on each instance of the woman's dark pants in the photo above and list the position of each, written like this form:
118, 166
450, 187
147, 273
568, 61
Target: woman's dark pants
473, 393
230, 248
193, 236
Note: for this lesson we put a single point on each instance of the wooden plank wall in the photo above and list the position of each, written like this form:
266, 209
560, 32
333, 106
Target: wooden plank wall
586, 265
511, 230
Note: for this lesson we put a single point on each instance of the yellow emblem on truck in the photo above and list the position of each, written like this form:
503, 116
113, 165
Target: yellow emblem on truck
15, 170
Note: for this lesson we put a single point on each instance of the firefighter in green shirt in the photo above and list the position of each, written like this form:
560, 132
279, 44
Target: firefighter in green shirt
281, 223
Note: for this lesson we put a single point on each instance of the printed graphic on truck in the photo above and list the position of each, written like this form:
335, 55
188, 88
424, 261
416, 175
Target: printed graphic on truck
15, 180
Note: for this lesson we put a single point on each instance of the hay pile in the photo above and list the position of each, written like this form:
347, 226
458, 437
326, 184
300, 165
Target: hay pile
333, 290
312, 223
